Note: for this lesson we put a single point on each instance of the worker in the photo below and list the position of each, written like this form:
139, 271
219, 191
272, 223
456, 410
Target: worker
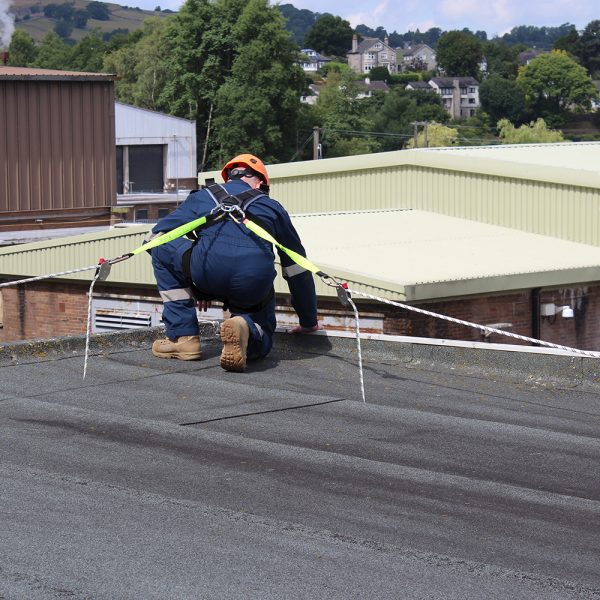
229, 263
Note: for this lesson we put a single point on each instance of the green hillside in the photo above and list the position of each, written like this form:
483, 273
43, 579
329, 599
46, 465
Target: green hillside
29, 16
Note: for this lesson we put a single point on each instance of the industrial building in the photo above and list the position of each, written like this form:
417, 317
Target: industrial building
479, 234
57, 144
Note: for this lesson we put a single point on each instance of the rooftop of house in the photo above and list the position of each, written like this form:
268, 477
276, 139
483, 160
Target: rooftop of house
367, 43
449, 81
419, 85
25, 73
468, 473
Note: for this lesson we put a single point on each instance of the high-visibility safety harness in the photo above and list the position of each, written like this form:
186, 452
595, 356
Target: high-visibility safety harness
233, 207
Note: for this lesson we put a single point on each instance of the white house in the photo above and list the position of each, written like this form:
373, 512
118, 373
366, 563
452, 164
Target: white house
311, 61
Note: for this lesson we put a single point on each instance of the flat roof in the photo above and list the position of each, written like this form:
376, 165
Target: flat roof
162, 479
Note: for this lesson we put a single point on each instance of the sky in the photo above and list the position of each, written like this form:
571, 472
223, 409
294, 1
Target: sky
493, 16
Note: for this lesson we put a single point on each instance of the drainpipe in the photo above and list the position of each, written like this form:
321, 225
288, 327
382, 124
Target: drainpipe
535, 313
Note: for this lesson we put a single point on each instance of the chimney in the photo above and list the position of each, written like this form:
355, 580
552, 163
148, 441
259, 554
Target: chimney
386, 40
4, 58
354, 43
456, 98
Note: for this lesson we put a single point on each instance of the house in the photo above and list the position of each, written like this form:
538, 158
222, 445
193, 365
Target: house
311, 95
367, 88
371, 53
460, 95
419, 85
311, 61
417, 58
525, 57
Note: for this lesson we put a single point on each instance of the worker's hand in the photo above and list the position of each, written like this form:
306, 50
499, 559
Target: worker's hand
203, 305
300, 329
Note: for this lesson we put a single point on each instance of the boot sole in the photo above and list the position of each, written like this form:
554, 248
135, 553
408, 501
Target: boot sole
232, 357
179, 355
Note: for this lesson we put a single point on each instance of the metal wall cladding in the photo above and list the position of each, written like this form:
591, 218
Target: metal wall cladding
57, 145
564, 211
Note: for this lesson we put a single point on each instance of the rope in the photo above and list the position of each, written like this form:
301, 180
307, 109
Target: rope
89, 322
476, 326
360, 365
40, 277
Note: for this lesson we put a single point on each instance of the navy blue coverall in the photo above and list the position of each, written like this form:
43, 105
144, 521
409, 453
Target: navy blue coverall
232, 262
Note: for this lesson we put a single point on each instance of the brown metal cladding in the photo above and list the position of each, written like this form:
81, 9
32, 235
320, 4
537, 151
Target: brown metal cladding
57, 143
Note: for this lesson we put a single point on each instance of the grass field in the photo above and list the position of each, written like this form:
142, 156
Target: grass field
121, 17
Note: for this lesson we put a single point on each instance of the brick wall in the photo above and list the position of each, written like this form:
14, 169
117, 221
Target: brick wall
46, 309
52, 308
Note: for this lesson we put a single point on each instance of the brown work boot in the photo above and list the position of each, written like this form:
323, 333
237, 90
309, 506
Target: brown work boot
185, 347
234, 333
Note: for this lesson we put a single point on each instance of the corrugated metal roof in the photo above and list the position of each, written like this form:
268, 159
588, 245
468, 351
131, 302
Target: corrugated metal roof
582, 156
46, 74
576, 164
411, 253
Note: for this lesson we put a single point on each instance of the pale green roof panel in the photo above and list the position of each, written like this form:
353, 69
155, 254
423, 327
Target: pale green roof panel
412, 253
574, 164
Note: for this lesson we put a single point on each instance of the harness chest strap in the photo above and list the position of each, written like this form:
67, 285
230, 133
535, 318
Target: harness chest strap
243, 200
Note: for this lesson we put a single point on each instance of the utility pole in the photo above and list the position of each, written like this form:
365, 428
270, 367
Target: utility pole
176, 171
416, 125
317, 154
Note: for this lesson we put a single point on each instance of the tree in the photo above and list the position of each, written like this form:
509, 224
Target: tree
63, 29
380, 74
256, 109
98, 11
298, 21
330, 35
501, 59
502, 98
553, 83
570, 43
438, 136
589, 47
53, 52
335, 67
142, 65
343, 118
399, 110
536, 37
459, 54
21, 51
88, 53
535, 133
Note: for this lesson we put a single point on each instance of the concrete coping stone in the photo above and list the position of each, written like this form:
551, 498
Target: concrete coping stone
495, 361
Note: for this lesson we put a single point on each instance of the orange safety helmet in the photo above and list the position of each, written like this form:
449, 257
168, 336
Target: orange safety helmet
246, 160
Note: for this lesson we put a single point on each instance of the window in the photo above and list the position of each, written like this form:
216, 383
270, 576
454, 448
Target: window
472, 90
471, 100
377, 46
383, 55
141, 214
371, 55
163, 212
